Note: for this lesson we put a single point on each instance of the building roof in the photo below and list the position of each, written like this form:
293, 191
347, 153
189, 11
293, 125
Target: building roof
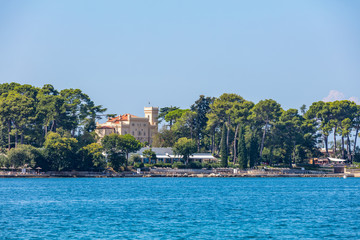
119, 118
157, 151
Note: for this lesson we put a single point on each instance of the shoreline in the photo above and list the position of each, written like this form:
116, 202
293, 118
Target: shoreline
333, 175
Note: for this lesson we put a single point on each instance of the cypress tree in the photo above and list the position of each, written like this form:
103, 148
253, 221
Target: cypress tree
253, 151
223, 147
242, 151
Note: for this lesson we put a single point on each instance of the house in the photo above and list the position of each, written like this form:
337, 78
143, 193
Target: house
142, 128
166, 155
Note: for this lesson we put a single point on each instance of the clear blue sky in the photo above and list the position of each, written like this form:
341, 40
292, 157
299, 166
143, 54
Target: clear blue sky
124, 54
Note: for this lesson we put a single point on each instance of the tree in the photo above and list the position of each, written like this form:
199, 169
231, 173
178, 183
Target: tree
50, 108
184, 126
129, 144
24, 155
174, 115
149, 154
92, 157
223, 148
112, 146
201, 108
164, 111
320, 112
184, 147
81, 112
118, 148
266, 112
253, 151
16, 110
60, 152
242, 152
164, 138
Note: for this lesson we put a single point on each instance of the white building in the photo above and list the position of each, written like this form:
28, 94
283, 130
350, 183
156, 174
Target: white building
166, 155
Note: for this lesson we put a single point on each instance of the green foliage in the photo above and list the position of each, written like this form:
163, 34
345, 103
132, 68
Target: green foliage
223, 149
112, 146
28, 114
253, 151
135, 158
201, 108
174, 115
164, 138
4, 160
195, 165
185, 147
242, 151
164, 111
60, 152
118, 147
150, 154
92, 157
178, 165
24, 155
138, 165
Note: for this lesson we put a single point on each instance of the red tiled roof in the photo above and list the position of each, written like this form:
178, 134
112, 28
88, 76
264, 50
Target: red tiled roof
119, 118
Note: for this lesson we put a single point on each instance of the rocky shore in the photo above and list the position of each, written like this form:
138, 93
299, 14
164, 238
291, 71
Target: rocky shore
179, 173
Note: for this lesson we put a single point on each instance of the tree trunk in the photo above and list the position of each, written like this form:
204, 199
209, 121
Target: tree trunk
126, 161
342, 147
236, 132
334, 141
227, 136
16, 137
198, 143
212, 142
349, 148
263, 139
356, 135
9, 136
326, 145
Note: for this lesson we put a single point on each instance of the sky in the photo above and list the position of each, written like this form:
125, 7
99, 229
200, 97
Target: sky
125, 54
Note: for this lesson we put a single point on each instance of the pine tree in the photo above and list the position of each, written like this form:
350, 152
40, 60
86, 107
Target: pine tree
223, 147
242, 151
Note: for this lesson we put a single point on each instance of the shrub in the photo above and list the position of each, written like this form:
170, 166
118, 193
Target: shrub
138, 165
24, 154
178, 165
3, 160
195, 165
135, 158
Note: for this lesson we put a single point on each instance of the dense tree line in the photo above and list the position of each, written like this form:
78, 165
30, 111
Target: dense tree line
49, 129
54, 130
247, 134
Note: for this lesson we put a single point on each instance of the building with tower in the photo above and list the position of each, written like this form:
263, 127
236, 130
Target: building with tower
142, 128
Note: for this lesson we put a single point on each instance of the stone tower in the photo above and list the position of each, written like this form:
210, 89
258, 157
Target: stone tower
152, 114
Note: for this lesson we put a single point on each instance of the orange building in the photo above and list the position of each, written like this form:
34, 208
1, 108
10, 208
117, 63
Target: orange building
142, 128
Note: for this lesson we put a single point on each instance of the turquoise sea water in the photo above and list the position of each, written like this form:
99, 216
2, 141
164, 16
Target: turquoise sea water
180, 208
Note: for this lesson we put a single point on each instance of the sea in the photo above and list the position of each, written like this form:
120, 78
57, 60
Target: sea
180, 208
